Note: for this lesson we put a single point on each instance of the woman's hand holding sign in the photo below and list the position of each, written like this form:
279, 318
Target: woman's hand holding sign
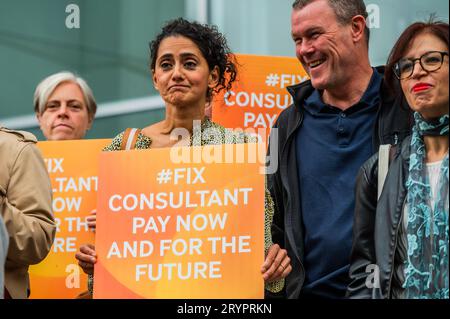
87, 258
277, 264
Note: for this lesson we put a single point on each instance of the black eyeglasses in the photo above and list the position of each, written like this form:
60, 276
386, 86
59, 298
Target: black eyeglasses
430, 61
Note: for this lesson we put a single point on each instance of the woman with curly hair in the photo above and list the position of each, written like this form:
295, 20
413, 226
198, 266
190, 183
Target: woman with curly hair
190, 62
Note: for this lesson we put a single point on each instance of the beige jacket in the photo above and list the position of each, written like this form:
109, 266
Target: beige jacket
26, 207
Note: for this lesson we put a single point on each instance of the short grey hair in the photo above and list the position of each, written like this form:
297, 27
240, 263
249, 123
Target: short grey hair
345, 10
50, 83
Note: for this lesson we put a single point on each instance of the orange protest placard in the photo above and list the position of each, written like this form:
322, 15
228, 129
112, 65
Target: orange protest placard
73, 170
259, 94
171, 229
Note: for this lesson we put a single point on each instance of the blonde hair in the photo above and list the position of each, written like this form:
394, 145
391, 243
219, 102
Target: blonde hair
50, 83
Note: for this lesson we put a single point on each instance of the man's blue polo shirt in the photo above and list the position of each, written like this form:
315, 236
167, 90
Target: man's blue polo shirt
331, 146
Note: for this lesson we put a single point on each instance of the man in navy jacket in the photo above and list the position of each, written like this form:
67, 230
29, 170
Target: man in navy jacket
337, 121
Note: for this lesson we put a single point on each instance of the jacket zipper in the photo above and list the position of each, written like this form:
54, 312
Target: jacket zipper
291, 134
288, 140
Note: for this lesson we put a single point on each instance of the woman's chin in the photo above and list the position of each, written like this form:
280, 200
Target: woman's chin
62, 136
430, 111
180, 102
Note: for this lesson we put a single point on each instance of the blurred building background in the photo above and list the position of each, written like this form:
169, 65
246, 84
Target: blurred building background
110, 47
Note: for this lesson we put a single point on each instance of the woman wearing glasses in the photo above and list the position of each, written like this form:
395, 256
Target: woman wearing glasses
400, 246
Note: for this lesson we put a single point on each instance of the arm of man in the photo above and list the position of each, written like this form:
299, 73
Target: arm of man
363, 259
28, 208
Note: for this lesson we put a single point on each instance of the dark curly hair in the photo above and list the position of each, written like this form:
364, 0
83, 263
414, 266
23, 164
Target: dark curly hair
212, 45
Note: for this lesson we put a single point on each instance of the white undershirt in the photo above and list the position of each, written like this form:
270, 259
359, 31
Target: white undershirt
433, 171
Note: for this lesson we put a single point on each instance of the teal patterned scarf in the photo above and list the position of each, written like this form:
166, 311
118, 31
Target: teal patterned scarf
426, 269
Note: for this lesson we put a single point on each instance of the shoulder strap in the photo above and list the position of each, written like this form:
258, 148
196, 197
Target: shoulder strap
383, 166
129, 139
386, 154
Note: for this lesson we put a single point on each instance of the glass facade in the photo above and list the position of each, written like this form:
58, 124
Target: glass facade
110, 47
109, 50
